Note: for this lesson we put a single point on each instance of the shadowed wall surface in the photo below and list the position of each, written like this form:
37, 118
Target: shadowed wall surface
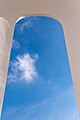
66, 11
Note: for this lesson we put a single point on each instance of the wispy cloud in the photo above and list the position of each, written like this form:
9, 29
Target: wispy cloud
23, 68
15, 44
62, 107
28, 23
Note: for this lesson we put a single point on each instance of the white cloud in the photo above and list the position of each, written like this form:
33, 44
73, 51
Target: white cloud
15, 44
60, 107
29, 23
23, 68
26, 24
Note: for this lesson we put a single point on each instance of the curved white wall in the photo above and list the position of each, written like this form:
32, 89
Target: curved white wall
65, 11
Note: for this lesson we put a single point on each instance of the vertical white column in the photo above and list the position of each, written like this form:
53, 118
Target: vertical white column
4, 52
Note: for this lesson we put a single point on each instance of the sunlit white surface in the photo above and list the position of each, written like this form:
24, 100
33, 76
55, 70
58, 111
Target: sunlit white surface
4, 25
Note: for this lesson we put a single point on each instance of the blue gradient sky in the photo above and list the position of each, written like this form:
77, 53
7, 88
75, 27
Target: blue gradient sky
39, 84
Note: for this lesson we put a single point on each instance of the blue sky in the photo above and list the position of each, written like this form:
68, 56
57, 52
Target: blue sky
39, 84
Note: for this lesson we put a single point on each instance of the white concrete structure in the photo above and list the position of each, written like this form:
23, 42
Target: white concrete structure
4, 59
65, 11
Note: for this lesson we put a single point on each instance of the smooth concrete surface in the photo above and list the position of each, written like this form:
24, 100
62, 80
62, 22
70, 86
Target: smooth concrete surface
4, 26
65, 11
